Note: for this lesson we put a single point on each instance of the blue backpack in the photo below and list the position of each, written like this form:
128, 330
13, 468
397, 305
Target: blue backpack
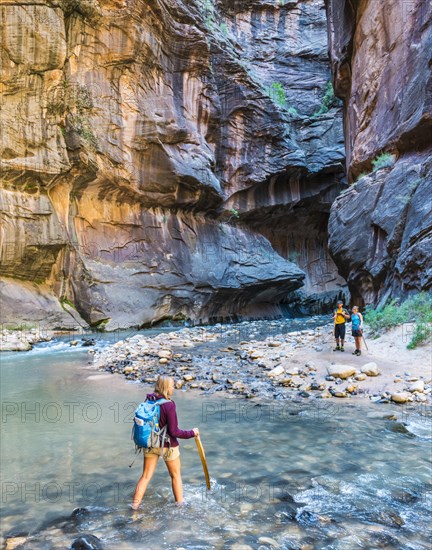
145, 431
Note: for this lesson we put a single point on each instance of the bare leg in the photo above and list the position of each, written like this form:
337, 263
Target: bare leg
149, 468
174, 469
358, 342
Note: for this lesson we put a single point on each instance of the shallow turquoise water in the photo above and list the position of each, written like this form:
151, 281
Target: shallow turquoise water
317, 475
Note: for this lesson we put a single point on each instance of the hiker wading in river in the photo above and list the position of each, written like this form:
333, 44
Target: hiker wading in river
340, 317
357, 329
171, 454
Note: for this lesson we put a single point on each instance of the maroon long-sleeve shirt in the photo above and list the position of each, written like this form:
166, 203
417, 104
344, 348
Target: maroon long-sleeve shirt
168, 417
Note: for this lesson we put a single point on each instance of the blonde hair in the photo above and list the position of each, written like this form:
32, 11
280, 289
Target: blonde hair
355, 307
162, 385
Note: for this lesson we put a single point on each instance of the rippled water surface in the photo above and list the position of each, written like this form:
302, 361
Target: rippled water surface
294, 475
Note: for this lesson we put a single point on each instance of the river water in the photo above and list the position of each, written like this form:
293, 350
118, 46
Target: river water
294, 475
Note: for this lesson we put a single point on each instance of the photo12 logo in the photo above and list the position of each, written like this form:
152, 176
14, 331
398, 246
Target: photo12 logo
238, 412
67, 411
68, 491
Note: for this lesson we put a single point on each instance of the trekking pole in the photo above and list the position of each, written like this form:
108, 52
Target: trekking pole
364, 340
333, 335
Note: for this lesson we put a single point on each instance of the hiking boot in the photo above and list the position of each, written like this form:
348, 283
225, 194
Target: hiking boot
355, 352
358, 352
337, 348
342, 349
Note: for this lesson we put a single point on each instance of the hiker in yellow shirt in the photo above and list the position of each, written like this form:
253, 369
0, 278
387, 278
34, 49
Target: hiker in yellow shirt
340, 317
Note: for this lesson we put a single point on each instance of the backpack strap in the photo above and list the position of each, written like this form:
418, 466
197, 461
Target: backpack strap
162, 400
163, 435
163, 432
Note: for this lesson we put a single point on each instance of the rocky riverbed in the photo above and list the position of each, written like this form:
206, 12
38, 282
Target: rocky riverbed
243, 359
23, 339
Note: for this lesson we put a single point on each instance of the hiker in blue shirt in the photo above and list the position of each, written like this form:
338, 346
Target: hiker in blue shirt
357, 329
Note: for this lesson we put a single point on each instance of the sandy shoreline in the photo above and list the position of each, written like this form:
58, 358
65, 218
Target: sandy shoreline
293, 365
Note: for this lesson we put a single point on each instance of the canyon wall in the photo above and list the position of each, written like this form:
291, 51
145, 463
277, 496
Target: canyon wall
165, 159
381, 227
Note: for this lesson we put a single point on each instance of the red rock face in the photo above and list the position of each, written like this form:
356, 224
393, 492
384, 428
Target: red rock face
381, 60
148, 150
380, 229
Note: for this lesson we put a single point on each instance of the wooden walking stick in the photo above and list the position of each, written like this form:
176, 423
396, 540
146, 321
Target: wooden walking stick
203, 460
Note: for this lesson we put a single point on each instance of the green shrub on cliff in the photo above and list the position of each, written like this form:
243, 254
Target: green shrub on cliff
223, 27
328, 101
66, 302
82, 127
234, 215
416, 310
277, 93
385, 160
208, 10
359, 177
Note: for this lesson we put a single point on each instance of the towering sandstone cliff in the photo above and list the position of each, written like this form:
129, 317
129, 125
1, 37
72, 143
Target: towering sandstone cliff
165, 158
381, 227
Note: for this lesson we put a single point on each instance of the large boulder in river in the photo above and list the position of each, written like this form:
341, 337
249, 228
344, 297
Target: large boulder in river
341, 371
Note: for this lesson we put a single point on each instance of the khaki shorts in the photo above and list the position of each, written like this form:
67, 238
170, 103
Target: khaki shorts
168, 455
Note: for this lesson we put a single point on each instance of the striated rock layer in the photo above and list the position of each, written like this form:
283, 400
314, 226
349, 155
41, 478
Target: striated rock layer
160, 158
380, 230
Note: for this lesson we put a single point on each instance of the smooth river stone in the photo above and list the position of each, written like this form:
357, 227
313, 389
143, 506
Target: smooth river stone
338, 393
417, 386
341, 371
400, 397
370, 369
277, 371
